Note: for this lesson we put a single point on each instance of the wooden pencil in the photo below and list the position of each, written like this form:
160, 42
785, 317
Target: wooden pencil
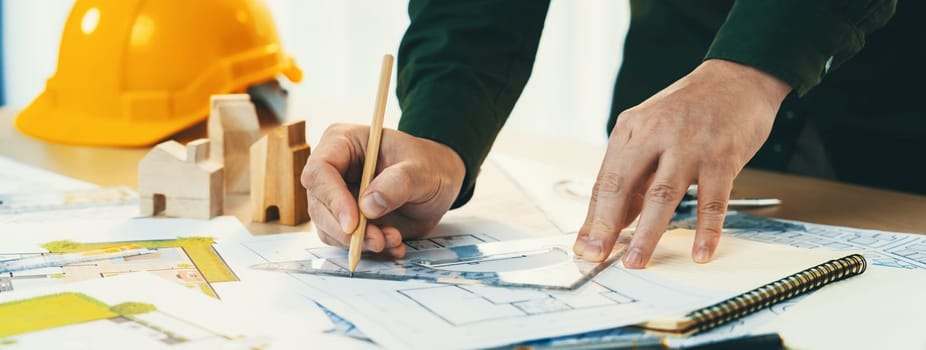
369, 160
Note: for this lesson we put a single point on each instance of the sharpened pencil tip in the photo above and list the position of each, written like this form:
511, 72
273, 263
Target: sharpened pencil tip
351, 274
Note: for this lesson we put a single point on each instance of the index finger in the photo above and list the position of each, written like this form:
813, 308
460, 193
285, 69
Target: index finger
622, 171
662, 197
324, 178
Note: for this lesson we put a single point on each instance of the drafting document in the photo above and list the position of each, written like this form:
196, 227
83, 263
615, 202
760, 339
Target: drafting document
30, 194
499, 207
138, 311
881, 309
16, 177
201, 255
92, 204
539, 263
563, 195
882, 248
423, 315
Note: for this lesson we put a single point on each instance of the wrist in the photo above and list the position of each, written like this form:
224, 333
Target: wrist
454, 172
455, 161
770, 88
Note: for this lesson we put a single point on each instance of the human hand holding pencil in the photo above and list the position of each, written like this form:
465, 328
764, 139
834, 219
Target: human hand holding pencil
416, 180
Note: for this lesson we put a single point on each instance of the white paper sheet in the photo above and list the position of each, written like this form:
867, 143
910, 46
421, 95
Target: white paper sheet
37, 184
94, 315
883, 248
16, 177
881, 309
562, 194
422, 315
225, 258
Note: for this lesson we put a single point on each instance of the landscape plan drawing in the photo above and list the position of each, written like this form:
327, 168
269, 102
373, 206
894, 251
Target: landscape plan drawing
138, 310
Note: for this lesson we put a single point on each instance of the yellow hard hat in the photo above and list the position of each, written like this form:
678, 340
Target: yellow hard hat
132, 72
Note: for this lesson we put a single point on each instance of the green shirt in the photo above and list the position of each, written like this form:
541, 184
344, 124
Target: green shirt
463, 64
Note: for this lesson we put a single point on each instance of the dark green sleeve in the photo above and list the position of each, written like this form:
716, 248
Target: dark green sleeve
798, 41
461, 67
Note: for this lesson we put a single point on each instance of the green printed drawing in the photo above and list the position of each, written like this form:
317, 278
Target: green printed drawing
190, 261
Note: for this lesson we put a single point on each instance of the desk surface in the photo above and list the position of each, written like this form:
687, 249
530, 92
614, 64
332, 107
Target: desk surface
804, 199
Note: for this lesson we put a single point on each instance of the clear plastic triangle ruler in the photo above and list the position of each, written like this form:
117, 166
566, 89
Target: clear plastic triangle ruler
542, 263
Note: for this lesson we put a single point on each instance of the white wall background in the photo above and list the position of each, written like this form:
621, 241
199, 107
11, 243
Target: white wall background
339, 45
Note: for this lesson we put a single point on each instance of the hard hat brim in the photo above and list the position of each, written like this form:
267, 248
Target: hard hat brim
44, 121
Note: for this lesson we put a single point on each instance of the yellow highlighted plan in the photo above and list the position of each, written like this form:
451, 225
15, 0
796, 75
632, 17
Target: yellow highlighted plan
137, 310
50, 311
188, 261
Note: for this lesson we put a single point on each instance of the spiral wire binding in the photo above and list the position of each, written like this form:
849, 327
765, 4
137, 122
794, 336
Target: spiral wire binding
786, 288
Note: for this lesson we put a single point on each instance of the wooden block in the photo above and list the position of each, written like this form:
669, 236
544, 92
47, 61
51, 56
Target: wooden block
180, 181
233, 127
277, 160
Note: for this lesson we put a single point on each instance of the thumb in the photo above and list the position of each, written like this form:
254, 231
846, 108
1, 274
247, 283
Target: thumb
389, 190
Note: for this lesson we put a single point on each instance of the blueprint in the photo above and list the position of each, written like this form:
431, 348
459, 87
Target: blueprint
539, 263
199, 255
30, 194
178, 254
412, 315
427, 315
16, 177
563, 196
882, 248
138, 311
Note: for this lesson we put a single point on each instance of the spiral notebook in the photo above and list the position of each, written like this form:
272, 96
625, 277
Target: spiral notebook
754, 275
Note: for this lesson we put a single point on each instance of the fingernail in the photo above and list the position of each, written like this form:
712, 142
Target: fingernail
373, 204
579, 246
634, 258
591, 249
345, 223
702, 255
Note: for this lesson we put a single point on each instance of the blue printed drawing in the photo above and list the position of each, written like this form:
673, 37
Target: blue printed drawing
890, 249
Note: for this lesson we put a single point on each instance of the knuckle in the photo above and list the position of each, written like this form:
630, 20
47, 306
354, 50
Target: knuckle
626, 116
603, 226
316, 195
663, 193
309, 173
608, 182
315, 205
711, 230
712, 208
337, 128
321, 205
624, 121
726, 167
